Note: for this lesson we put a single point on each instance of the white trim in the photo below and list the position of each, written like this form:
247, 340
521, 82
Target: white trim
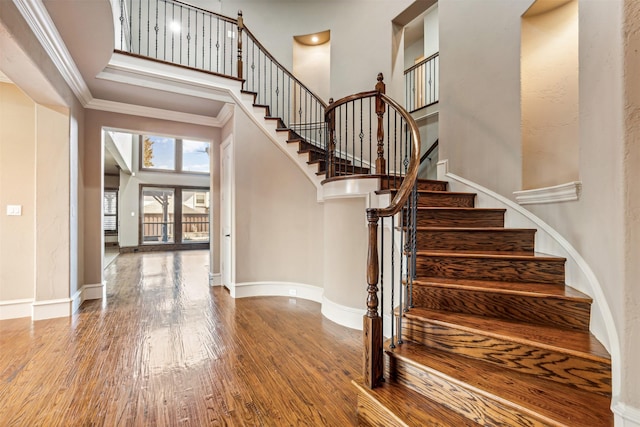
578, 273
625, 416
245, 101
169, 78
343, 188
342, 315
13, 309
278, 289
157, 113
52, 308
94, 291
558, 193
215, 279
45, 30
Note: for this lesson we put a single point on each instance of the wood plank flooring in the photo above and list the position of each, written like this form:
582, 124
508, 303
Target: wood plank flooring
165, 349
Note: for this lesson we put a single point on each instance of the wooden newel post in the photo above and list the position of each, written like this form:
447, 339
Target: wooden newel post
381, 164
372, 322
240, 28
331, 122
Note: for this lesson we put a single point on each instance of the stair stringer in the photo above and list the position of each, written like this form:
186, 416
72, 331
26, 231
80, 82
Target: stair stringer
578, 274
269, 127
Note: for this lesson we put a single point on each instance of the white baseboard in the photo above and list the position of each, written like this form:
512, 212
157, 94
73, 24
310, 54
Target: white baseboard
93, 291
16, 308
215, 279
280, 289
342, 315
624, 415
50, 309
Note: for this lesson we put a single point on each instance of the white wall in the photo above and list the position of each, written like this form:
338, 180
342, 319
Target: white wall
312, 65
431, 31
361, 33
278, 222
549, 71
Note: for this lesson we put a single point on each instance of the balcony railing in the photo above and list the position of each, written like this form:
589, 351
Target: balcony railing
422, 83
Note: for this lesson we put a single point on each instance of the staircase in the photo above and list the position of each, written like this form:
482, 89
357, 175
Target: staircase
314, 156
494, 337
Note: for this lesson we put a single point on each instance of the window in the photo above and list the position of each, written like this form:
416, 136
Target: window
195, 156
163, 221
161, 153
158, 153
195, 216
110, 213
158, 215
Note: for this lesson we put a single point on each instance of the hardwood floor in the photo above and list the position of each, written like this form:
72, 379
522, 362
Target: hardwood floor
165, 349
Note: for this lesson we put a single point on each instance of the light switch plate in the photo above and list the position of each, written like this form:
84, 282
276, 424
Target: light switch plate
14, 210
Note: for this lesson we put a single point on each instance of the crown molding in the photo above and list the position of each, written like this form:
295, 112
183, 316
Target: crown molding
157, 113
47, 34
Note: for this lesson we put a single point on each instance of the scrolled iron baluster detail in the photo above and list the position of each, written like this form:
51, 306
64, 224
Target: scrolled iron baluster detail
380, 110
331, 152
240, 28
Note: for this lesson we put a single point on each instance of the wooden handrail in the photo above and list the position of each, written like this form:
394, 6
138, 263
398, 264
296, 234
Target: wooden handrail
419, 64
282, 67
429, 151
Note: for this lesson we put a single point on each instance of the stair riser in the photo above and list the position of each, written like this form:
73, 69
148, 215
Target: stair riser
466, 401
394, 183
534, 271
541, 310
562, 368
453, 218
446, 200
459, 240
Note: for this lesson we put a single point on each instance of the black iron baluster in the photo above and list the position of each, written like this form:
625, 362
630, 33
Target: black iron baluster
188, 37
173, 43
156, 29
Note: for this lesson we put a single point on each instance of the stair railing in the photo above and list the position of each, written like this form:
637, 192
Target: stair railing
370, 129
299, 108
365, 139
175, 32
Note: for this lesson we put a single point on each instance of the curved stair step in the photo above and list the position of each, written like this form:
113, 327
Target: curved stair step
459, 217
565, 356
490, 395
537, 268
474, 239
538, 303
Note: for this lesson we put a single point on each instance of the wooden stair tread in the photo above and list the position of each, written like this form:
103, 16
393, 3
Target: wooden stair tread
474, 229
459, 209
516, 288
557, 404
405, 407
495, 255
577, 343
